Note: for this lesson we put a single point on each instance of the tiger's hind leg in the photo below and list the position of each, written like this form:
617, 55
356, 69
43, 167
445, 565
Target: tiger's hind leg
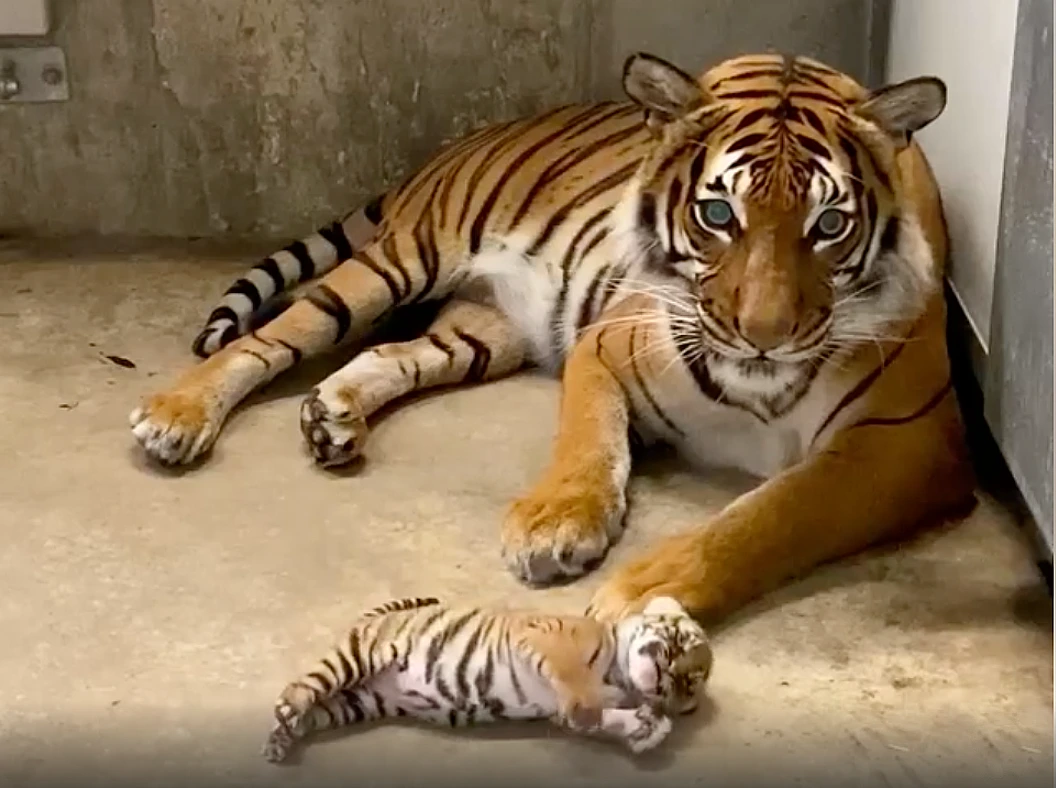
468, 342
338, 690
346, 708
180, 424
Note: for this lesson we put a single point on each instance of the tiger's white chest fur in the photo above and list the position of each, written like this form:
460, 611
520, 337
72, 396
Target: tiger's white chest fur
548, 311
711, 434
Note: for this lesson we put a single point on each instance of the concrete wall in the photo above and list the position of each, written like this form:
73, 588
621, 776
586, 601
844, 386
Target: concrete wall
265, 117
1019, 370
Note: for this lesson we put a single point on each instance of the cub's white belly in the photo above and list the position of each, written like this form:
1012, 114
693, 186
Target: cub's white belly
431, 689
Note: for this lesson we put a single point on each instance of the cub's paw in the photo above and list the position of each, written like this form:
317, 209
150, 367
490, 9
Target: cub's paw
174, 428
278, 746
561, 531
333, 425
648, 731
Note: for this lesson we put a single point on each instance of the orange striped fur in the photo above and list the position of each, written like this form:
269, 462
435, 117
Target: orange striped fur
745, 265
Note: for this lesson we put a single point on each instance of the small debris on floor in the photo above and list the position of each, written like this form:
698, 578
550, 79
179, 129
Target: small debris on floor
121, 361
68, 405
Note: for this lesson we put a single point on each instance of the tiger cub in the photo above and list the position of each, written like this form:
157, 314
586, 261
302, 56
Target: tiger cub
420, 659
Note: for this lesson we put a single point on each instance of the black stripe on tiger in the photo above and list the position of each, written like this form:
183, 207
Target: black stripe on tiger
815, 148
586, 304
485, 678
295, 352
367, 261
462, 667
749, 95
335, 235
307, 265
451, 177
823, 98
894, 421
425, 244
325, 684
399, 605
372, 210
744, 76
491, 157
698, 368
871, 219
325, 299
442, 346
584, 197
392, 257
246, 288
257, 356
566, 130
644, 387
222, 313
572, 254
353, 653
440, 640
674, 200
478, 367
568, 161
271, 268
459, 150
812, 119
858, 391
747, 141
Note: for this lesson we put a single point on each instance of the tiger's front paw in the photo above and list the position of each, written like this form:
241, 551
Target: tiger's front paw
175, 428
561, 530
333, 426
675, 568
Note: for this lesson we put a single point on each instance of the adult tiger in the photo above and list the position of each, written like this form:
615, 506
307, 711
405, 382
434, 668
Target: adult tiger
747, 265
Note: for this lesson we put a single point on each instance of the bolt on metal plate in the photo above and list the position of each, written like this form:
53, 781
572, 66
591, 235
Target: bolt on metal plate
33, 75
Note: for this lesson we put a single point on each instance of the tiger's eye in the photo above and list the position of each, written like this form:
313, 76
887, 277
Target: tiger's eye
831, 223
716, 213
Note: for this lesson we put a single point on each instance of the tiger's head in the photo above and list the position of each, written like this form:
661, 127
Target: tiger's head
772, 207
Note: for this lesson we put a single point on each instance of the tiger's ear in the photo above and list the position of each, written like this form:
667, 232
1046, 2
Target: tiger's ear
665, 91
905, 107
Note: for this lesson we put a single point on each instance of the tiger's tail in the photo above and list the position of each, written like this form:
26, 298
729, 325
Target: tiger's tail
249, 297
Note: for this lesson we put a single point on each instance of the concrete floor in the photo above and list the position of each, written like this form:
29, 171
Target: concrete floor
150, 619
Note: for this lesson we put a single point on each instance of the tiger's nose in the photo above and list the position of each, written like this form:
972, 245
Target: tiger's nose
766, 329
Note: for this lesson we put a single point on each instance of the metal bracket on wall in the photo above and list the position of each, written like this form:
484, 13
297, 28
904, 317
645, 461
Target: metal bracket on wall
33, 75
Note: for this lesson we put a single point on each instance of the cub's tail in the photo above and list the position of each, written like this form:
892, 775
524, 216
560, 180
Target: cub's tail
398, 605
251, 296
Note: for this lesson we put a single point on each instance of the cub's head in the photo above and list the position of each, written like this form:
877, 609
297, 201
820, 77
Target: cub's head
772, 206
666, 654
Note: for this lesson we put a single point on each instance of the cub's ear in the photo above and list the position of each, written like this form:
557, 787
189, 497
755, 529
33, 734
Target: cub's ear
697, 657
664, 90
905, 107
